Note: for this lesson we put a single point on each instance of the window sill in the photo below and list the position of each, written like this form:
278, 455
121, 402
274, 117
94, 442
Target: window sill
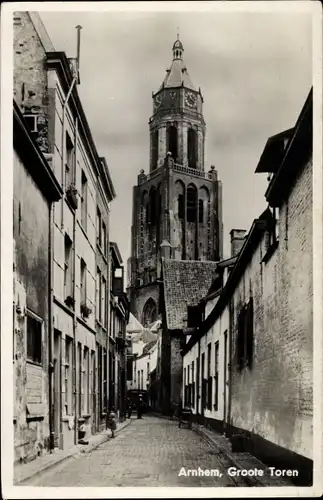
67, 309
86, 415
69, 204
270, 252
99, 247
34, 363
67, 418
30, 418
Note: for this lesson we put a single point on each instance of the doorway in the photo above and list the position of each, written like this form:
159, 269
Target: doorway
57, 386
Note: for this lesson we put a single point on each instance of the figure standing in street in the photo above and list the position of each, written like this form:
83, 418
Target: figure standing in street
112, 421
139, 407
129, 407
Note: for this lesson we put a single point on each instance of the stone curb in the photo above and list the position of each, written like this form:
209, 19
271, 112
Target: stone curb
251, 481
75, 451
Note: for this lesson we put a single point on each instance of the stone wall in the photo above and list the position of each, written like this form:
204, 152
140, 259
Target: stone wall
31, 230
274, 398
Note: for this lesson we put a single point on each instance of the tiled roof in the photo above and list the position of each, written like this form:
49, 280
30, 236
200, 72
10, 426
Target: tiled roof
177, 75
186, 282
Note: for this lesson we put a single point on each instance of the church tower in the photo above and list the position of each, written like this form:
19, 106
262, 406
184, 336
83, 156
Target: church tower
177, 206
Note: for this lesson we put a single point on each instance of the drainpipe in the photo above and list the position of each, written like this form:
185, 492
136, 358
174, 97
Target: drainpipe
74, 293
50, 330
107, 385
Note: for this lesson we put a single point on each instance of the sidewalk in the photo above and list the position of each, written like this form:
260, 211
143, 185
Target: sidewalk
246, 461
241, 461
23, 472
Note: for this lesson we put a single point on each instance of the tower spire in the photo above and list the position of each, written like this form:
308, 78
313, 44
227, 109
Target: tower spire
178, 48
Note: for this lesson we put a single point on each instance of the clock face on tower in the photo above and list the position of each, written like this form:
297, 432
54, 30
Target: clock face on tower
190, 100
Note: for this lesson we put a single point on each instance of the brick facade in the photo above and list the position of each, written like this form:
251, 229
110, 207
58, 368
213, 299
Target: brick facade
274, 399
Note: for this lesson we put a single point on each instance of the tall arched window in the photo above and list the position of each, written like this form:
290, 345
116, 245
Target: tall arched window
158, 216
149, 313
154, 149
153, 205
201, 211
191, 207
192, 147
172, 141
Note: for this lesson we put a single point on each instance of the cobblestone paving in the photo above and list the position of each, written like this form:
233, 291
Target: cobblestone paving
149, 452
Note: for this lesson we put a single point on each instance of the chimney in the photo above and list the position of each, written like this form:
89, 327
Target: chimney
237, 237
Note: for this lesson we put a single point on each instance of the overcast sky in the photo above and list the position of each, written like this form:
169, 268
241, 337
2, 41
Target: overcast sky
254, 70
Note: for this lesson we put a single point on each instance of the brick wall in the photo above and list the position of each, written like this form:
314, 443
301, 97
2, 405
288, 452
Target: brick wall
274, 399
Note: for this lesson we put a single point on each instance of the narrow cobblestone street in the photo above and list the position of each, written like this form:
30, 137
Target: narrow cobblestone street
149, 452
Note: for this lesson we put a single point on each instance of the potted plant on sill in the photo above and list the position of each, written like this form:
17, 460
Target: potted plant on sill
70, 301
85, 310
71, 194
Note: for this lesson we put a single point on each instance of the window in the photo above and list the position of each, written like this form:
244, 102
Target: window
272, 235
191, 204
83, 283
172, 141
68, 375
129, 370
31, 121
245, 336
209, 378
84, 201
192, 147
69, 157
142, 379
139, 379
201, 211
104, 239
98, 294
148, 371
105, 379
100, 376
80, 402
203, 382
86, 380
98, 228
193, 385
194, 316
34, 339
180, 206
216, 375
154, 149
68, 268
185, 390
103, 299
92, 381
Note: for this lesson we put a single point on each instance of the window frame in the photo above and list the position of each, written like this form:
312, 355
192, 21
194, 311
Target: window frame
30, 315
84, 196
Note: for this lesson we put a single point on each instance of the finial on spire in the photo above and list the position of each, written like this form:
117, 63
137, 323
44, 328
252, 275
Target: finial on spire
177, 33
